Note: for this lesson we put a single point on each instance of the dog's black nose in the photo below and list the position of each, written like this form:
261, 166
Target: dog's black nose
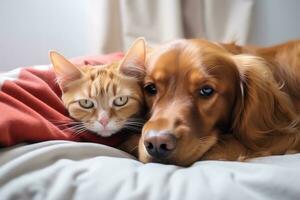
159, 144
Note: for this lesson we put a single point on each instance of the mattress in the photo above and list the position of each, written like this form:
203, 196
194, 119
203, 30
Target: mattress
76, 170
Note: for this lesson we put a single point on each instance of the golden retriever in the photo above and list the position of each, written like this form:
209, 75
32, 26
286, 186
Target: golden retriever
220, 101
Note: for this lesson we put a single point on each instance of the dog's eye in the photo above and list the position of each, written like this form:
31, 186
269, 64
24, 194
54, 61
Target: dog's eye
206, 91
150, 89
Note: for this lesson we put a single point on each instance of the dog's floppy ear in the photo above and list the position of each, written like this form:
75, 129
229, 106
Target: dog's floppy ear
65, 71
263, 113
133, 64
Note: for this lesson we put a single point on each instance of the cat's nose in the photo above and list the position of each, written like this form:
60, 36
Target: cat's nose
104, 121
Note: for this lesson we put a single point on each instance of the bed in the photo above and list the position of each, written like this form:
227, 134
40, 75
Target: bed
78, 170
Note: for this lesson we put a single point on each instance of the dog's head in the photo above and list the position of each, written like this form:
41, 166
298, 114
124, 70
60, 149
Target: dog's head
196, 90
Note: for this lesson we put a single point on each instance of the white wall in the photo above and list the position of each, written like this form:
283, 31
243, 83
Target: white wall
30, 28
275, 21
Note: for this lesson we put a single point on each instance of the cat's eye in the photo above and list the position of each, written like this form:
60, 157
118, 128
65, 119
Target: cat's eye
86, 104
206, 91
150, 89
120, 101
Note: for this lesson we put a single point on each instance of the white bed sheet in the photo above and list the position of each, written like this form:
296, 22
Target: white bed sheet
68, 170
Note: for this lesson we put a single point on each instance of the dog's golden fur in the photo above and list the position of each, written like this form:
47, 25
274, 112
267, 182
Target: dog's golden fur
254, 110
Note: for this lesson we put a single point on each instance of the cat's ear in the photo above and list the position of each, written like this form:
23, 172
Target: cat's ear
65, 71
133, 64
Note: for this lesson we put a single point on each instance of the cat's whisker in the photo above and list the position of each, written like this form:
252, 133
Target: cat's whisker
132, 128
75, 127
136, 126
60, 121
79, 127
140, 122
69, 128
79, 124
79, 131
71, 124
74, 124
54, 120
136, 120
139, 125
65, 125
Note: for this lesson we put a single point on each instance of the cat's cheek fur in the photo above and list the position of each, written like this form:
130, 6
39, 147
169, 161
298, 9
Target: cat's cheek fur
127, 111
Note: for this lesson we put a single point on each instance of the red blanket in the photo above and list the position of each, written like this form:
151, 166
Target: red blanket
31, 109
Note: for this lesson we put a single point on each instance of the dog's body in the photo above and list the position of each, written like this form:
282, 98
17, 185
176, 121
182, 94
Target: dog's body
210, 101
284, 62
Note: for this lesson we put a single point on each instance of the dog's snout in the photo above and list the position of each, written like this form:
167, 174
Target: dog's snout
159, 144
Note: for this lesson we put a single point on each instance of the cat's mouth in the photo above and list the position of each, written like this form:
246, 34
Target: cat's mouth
93, 128
100, 130
106, 133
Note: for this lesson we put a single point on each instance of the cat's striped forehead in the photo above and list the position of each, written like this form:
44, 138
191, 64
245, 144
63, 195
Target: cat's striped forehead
106, 80
102, 71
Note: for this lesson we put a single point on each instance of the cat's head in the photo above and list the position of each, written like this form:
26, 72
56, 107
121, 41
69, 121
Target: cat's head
104, 98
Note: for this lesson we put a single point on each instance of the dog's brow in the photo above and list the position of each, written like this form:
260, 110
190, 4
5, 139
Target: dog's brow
160, 76
195, 76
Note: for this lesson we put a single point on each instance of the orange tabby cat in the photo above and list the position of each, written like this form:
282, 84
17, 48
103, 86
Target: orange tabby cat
105, 98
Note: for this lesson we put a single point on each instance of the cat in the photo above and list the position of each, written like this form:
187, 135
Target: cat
106, 98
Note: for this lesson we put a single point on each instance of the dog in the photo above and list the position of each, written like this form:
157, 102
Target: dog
214, 101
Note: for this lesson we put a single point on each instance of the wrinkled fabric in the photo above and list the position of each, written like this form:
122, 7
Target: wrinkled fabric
71, 170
